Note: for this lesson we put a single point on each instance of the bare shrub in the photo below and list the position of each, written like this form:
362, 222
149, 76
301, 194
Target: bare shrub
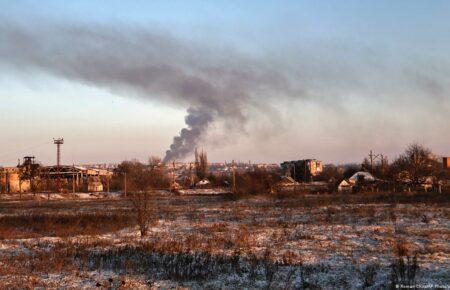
270, 267
289, 257
139, 176
242, 238
201, 164
255, 182
143, 207
368, 274
425, 219
404, 271
401, 248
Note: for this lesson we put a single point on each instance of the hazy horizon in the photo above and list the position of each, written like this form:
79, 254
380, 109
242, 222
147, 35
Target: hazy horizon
248, 81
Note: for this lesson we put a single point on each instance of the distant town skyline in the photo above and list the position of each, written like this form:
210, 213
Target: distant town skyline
260, 81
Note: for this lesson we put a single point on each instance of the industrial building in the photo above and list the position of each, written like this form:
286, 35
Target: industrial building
446, 162
302, 170
11, 181
30, 175
76, 177
49, 178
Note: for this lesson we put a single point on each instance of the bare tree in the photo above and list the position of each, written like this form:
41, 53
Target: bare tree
201, 164
379, 168
141, 180
418, 162
143, 207
140, 176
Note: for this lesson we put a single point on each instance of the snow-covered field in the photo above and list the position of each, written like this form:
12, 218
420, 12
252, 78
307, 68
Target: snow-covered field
214, 242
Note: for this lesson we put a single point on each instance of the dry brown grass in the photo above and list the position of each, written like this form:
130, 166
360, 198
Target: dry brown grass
61, 225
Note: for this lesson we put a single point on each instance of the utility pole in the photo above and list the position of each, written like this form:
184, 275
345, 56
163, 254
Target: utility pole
125, 184
73, 183
234, 178
373, 157
20, 179
371, 161
383, 164
73, 178
8, 187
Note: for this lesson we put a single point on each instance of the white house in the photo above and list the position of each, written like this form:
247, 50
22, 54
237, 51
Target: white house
367, 176
346, 185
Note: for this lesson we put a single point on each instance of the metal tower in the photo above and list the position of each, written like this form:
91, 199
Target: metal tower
58, 143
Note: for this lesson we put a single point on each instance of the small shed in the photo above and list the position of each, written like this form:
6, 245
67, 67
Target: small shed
345, 186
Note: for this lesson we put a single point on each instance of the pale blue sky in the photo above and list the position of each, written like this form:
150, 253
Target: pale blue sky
378, 69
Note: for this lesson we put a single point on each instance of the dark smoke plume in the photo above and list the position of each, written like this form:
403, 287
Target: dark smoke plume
197, 122
214, 85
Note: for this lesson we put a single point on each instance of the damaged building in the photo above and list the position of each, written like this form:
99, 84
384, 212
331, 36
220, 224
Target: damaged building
18, 179
11, 181
302, 170
27, 176
446, 163
76, 178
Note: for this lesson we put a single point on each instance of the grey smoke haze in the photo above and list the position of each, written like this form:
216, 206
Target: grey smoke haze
222, 85
151, 65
